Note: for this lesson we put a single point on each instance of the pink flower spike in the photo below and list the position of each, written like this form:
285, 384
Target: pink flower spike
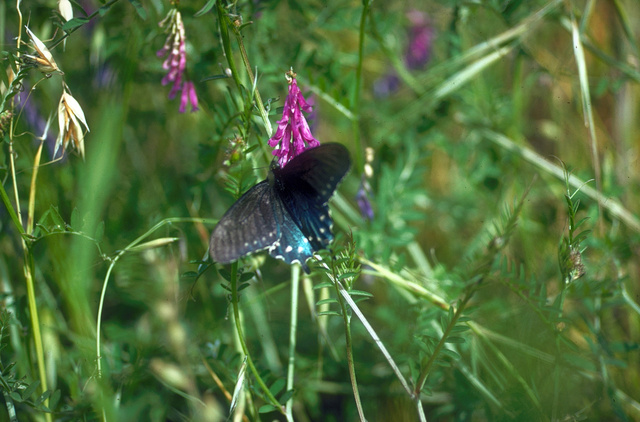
175, 62
293, 134
188, 97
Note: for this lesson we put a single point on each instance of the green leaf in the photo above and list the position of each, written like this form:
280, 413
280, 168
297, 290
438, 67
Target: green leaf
76, 220
351, 274
460, 328
26, 394
322, 285
329, 313
267, 408
225, 274
74, 23
16, 397
450, 353
286, 396
277, 386
99, 233
214, 77
443, 363
43, 397
206, 8
325, 301
360, 293
56, 219
243, 286
454, 339
246, 277
139, 9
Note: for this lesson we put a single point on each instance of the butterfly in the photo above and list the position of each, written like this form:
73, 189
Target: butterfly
287, 213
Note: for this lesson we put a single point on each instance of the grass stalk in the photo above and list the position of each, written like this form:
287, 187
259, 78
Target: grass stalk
293, 329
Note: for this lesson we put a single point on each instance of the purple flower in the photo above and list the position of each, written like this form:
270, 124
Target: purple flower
362, 197
420, 40
188, 97
293, 130
176, 62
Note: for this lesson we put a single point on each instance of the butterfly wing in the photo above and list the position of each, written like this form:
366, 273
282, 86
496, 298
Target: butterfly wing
259, 220
249, 225
305, 185
288, 213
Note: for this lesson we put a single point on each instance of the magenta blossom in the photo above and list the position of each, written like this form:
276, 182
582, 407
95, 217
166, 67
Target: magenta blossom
293, 130
188, 97
176, 61
421, 35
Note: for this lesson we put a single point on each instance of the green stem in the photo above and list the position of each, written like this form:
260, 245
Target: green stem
355, 123
427, 363
226, 43
293, 329
100, 10
228, 53
349, 344
11, 211
236, 314
247, 65
105, 283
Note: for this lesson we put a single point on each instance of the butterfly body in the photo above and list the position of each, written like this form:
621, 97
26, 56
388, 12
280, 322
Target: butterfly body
287, 213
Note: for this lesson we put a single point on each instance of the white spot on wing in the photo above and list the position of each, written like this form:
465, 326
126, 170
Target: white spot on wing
289, 249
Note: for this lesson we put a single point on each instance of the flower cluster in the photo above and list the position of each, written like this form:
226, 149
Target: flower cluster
365, 192
176, 61
420, 40
420, 36
293, 135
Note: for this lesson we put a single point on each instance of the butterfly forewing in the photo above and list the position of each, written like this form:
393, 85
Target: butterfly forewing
249, 225
305, 185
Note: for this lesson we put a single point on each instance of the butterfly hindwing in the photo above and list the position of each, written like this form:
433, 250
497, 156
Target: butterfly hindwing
248, 226
292, 245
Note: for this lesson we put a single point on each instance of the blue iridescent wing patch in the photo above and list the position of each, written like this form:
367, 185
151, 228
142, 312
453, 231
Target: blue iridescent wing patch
287, 213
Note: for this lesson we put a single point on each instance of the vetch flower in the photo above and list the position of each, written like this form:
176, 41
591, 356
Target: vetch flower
70, 121
364, 193
420, 40
293, 130
43, 59
188, 97
176, 61
362, 197
417, 55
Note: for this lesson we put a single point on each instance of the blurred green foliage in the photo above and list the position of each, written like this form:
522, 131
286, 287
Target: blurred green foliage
502, 259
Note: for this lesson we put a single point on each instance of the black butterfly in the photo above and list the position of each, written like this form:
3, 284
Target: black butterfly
287, 213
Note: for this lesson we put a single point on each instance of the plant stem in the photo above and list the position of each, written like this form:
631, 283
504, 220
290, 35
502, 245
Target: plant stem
349, 343
355, 123
236, 314
293, 329
228, 53
247, 65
